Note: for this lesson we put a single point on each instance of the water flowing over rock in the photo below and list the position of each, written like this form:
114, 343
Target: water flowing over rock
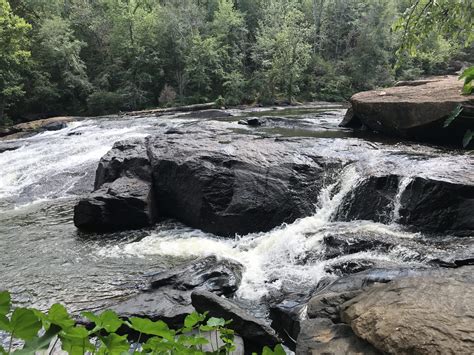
425, 204
416, 111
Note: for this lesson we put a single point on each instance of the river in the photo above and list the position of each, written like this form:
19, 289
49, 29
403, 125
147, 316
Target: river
44, 259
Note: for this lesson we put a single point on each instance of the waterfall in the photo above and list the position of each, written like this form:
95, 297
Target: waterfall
402, 185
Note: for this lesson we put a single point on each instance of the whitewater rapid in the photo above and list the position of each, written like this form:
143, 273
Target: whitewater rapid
46, 260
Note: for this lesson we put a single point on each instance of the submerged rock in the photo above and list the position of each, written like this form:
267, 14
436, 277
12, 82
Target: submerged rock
417, 110
255, 333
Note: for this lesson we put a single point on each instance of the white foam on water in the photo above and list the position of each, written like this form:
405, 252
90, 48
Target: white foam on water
49, 164
402, 185
270, 259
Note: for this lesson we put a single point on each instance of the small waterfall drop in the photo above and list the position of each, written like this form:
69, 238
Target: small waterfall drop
402, 185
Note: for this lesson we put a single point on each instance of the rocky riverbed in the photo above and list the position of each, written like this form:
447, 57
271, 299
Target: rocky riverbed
291, 225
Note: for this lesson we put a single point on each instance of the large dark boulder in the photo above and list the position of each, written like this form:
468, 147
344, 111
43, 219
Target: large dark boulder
123, 196
438, 206
230, 184
415, 110
255, 333
126, 203
168, 297
431, 313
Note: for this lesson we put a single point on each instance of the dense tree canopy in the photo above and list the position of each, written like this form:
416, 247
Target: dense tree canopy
101, 56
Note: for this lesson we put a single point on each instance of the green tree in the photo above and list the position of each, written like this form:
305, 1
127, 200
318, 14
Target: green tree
283, 49
14, 53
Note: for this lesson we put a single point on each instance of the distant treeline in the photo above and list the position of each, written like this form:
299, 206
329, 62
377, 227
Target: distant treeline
103, 56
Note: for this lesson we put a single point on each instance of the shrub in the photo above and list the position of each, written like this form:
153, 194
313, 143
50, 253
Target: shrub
39, 331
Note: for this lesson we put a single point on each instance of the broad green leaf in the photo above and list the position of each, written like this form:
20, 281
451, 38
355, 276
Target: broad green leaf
4, 323
192, 319
58, 315
75, 341
156, 344
452, 116
39, 343
5, 302
215, 322
2, 350
467, 138
24, 324
115, 344
146, 326
279, 350
108, 320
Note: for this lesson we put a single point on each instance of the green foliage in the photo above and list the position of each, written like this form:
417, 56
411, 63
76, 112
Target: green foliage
105, 56
14, 54
468, 76
41, 331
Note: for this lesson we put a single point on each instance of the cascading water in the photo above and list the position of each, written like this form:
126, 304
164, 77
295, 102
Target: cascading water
46, 260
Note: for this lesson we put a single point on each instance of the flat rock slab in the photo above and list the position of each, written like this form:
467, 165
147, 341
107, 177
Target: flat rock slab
427, 314
417, 110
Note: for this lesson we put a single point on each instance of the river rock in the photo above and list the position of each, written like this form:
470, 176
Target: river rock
331, 293
126, 203
427, 314
287, 315
32, 127
321, 336
379, 207
123, 196
255, 333
425, 204
231, 184
168, 297
417, 110
438, 206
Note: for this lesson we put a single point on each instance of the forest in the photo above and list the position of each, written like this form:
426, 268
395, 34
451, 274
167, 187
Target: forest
94, 57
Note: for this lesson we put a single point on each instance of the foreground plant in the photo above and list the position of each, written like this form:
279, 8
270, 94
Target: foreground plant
42, 331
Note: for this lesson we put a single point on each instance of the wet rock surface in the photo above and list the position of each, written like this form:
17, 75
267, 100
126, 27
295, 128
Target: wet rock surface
235, 184
168, 297
255, 333
438, 206
123, 196
211, 179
